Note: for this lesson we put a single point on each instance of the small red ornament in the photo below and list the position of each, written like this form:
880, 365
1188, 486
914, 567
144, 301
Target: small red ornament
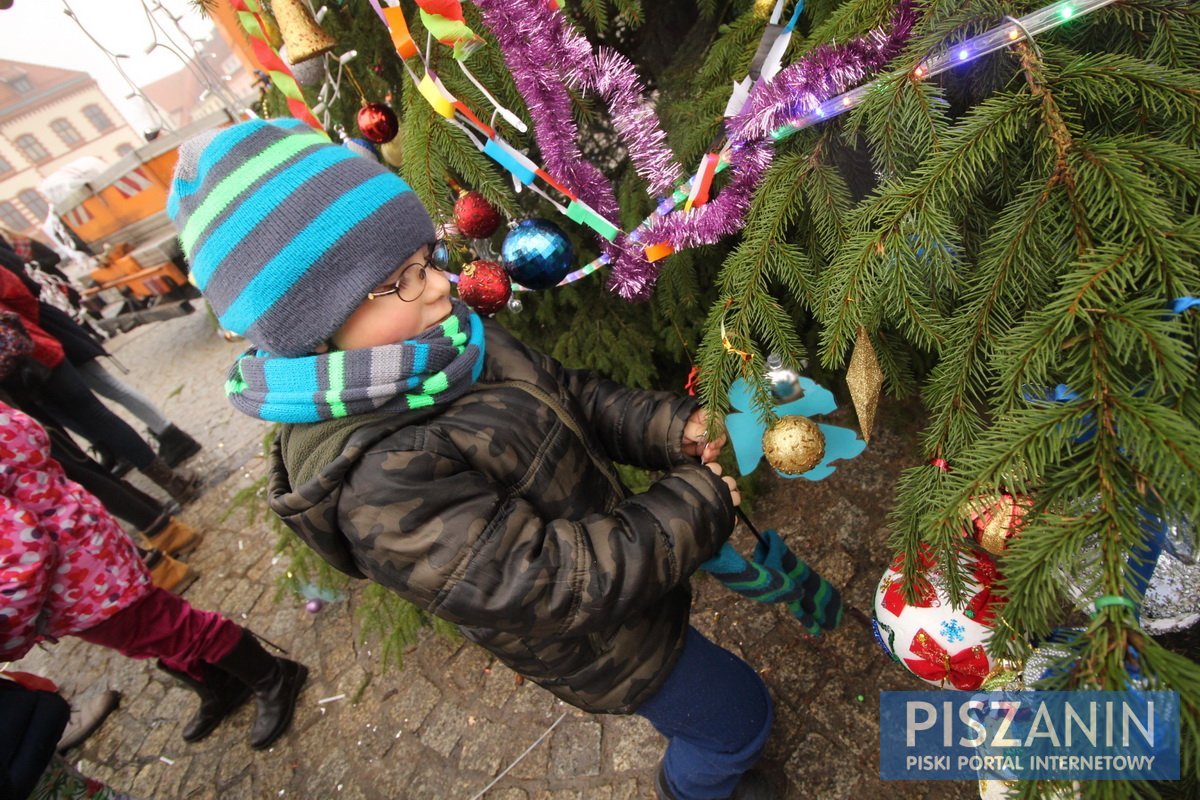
378, 122
484, 286
475, 216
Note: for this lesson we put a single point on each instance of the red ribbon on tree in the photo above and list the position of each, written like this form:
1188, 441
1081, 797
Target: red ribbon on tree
966, 669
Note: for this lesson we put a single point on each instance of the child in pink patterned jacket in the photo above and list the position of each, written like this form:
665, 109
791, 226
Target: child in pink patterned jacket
67, 568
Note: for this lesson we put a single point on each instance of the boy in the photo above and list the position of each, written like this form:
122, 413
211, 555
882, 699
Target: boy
430, 451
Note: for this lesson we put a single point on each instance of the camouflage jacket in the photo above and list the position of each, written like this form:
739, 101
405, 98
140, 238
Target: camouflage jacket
502, 512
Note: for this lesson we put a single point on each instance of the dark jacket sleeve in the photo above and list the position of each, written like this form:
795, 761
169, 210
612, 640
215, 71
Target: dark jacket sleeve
636, 426
463, 549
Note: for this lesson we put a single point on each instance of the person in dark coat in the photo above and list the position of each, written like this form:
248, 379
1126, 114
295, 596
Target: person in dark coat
84, 349
61, 391
428, 450
35, 716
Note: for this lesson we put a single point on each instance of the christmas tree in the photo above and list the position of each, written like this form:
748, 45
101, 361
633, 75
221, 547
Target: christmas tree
992, 205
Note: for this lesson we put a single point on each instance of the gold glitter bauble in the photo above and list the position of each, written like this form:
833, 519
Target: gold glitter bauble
392, 152
794, 445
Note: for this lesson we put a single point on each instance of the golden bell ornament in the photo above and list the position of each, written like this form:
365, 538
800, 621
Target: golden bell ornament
794, 445
303, 36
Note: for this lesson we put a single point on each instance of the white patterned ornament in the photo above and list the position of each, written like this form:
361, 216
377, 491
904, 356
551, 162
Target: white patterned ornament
938, 643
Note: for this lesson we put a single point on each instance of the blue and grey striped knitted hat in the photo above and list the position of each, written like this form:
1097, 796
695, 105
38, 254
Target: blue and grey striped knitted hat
286, 232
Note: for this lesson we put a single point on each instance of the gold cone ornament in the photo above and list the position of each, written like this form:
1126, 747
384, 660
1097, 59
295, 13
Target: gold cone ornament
794, 445
303, 36
865, 379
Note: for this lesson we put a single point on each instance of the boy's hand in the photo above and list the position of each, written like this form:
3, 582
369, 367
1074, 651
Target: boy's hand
715, 468
695, 443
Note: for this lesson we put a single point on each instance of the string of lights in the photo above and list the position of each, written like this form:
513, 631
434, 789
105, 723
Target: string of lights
1008, 33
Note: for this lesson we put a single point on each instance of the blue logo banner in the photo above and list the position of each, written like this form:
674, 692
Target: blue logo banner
948, 735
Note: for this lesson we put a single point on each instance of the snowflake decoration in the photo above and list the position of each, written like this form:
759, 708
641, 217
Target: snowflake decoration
952, 631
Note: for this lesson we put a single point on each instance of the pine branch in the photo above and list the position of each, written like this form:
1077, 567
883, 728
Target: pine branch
630, 12
596, 11
904, 121
980, 139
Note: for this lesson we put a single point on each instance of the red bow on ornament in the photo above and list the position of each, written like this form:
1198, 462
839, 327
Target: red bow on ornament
966, 669
893, 596
925, 559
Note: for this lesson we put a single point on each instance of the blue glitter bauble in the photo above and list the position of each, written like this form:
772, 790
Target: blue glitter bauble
537, 254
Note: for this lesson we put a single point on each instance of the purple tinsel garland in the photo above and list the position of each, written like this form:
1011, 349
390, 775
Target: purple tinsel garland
611, 76
553, 51
519, 28
824, 72
542, 51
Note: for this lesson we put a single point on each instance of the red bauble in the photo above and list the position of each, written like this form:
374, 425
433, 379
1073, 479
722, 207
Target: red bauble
484, 286
378, 122
475, 216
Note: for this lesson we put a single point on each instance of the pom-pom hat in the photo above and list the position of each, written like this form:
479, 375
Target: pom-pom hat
286, 233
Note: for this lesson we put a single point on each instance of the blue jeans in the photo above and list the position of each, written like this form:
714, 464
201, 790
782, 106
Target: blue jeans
716, 713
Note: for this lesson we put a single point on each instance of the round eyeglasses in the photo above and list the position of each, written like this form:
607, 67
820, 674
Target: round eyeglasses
410, 284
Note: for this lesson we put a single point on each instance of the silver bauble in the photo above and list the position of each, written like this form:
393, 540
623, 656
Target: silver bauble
1172, 601
784, 382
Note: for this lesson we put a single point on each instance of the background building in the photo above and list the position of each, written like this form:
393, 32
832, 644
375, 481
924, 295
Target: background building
48, 118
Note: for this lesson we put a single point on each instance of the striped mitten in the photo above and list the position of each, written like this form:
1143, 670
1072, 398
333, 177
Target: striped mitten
814, 601
747, 578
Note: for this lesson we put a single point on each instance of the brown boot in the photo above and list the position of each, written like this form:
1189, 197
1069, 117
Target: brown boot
168, 574
183, 485
176, 538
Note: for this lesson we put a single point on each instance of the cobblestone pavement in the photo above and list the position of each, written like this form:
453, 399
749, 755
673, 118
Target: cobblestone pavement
452, 719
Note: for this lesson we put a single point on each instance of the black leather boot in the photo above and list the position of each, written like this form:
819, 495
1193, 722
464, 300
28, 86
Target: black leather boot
182, 485
276, 683
175, 446
220, 695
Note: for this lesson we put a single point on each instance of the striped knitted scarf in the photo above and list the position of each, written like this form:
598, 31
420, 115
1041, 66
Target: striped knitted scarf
433, 368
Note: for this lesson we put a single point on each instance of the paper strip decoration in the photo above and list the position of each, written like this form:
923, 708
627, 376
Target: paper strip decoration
248, 12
